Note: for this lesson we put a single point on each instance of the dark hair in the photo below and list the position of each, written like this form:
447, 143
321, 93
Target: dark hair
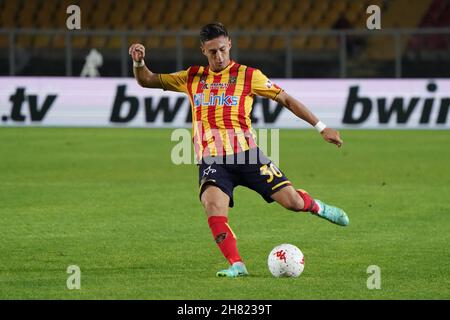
212, 31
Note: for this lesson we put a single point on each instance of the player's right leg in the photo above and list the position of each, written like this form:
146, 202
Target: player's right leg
271, 183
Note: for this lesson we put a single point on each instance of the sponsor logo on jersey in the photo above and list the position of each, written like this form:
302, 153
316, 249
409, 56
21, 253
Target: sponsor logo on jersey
215, 100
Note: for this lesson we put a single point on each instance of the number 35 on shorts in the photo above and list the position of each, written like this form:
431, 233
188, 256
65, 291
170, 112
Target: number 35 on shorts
270, 170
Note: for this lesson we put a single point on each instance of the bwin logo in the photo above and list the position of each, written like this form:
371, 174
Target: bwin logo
359, 108
222, 100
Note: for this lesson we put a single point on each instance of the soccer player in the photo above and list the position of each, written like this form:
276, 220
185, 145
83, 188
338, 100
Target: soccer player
221, 96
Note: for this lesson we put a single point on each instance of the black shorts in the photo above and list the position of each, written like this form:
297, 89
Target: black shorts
251, 169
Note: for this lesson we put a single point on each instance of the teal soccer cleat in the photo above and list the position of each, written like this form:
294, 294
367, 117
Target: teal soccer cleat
333, 214
238, 269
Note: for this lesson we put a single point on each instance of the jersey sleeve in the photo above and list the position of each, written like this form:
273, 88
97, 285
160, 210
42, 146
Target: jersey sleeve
262, 86
174, 81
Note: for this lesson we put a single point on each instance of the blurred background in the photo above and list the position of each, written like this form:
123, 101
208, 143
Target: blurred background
286, 38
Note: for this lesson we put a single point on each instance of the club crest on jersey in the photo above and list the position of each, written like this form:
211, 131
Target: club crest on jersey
215, 100
203, 83
232, 80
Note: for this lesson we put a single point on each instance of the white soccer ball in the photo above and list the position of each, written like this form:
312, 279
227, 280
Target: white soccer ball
286, 260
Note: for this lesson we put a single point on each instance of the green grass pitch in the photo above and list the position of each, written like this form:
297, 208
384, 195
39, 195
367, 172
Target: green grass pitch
111, 202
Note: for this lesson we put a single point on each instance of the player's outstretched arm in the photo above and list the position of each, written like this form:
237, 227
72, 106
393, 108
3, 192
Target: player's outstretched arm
301, 111
143, 75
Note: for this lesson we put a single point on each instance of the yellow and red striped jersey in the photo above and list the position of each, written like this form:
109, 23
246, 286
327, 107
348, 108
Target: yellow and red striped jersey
221, 104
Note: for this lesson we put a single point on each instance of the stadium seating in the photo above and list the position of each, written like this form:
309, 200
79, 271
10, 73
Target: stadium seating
437, 15
409, 19
235, 14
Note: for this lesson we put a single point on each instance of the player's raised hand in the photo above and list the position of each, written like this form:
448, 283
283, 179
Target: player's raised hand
332, 136
137, 52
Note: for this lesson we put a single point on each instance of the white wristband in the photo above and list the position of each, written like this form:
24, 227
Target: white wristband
320, 126
138, 64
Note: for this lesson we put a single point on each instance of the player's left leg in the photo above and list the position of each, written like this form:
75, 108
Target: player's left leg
215, 201
216, 196
300, 200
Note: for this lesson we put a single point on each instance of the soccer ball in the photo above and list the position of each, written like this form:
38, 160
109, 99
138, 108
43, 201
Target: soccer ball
286, 260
